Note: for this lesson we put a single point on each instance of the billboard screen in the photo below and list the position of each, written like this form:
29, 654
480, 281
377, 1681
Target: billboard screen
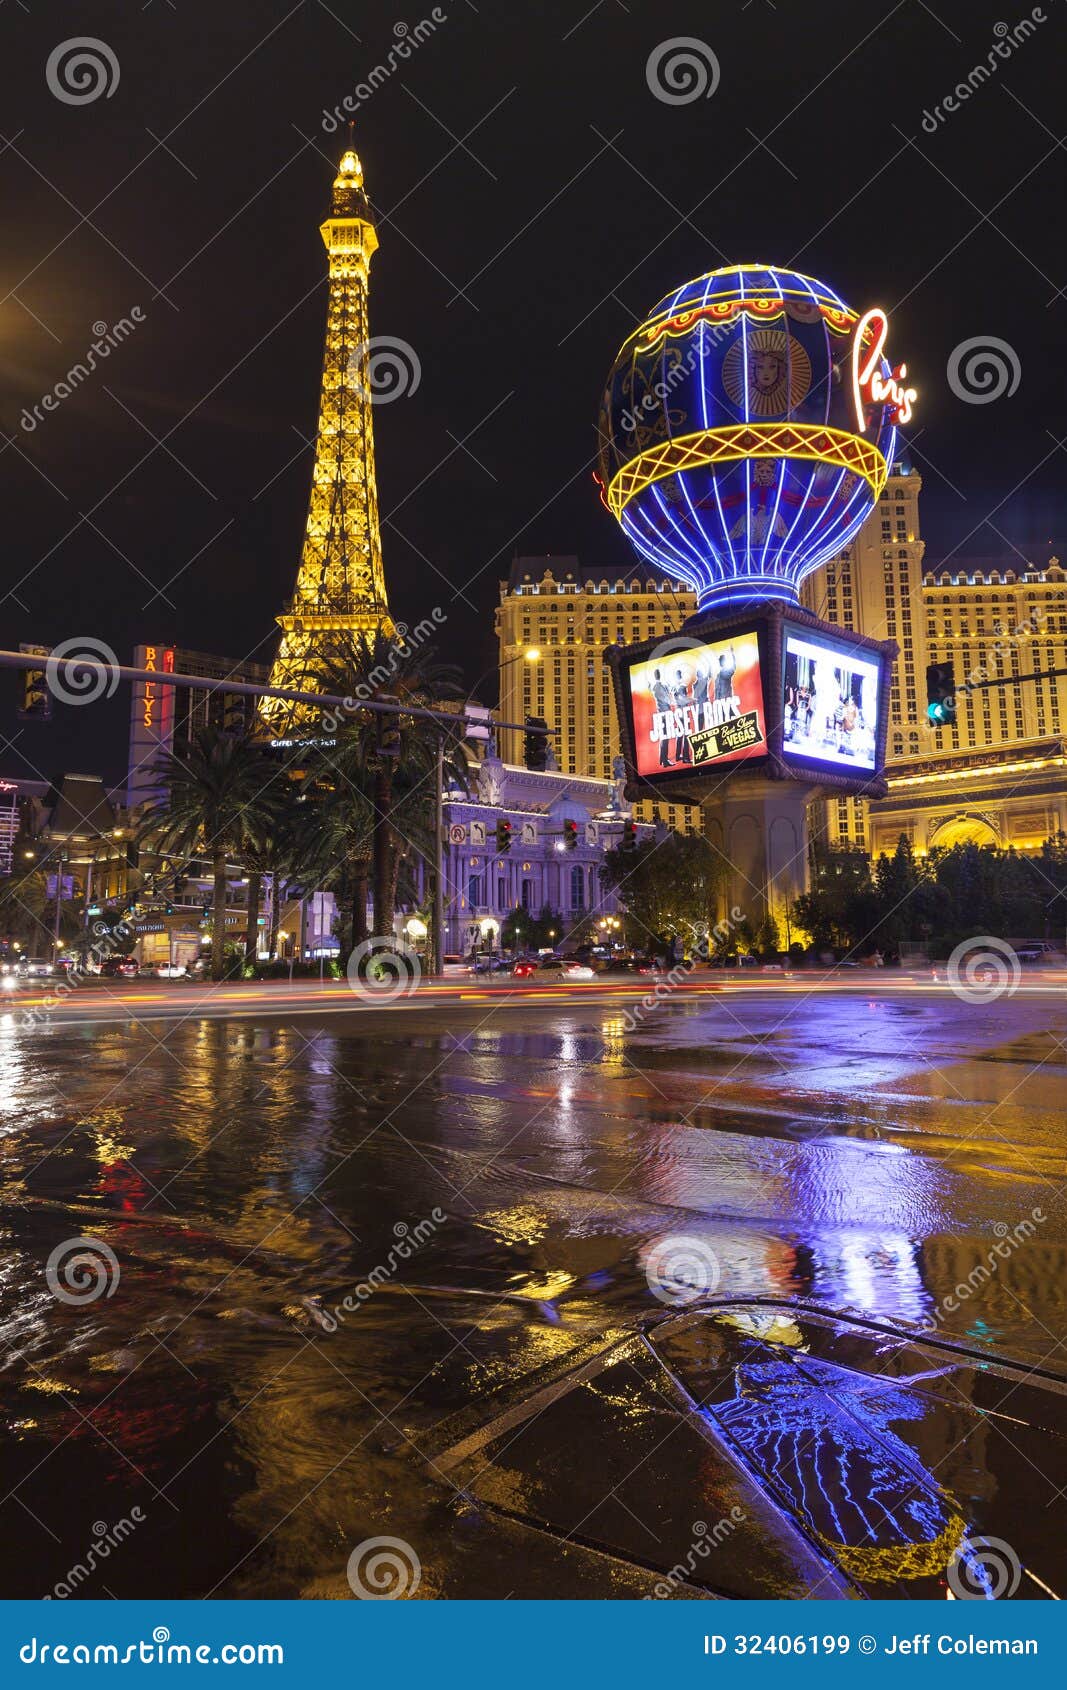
830, 700
698, 706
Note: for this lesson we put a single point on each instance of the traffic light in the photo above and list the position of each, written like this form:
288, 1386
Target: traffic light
389, 732
940, 695
629, 836
503, 835
35, 703
535, 745
570, 836
234, 713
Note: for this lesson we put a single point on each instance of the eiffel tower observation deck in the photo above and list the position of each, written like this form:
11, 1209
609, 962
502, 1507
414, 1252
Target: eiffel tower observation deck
340, 585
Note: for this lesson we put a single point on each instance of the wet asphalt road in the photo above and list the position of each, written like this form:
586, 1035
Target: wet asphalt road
506, 1196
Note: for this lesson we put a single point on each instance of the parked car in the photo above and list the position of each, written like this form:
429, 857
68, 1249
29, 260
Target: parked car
455, 966
120, 968
1034, 951
524, 968
36, 967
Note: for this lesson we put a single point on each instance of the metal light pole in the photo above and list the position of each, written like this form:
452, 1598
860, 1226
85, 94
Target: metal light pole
88, 890
60, 860
439, 861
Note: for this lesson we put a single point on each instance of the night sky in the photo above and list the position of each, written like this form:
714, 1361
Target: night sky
534, 199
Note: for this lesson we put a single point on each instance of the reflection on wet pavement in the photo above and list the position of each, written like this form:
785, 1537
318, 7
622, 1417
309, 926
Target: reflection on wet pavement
896, 1163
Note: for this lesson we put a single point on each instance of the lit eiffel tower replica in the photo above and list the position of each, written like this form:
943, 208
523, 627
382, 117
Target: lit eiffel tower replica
340, 586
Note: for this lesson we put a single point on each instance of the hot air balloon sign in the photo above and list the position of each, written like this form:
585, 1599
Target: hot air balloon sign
747, 428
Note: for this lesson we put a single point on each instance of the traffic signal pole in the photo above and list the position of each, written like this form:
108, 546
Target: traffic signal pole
941, 696
114, 672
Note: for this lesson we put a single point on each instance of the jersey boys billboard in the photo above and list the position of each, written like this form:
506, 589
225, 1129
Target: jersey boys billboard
775, 694
698, 705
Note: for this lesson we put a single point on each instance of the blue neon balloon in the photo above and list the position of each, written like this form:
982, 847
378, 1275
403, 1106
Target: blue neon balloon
731, 445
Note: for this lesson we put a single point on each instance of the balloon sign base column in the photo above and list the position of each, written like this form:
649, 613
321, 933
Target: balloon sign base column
761, 828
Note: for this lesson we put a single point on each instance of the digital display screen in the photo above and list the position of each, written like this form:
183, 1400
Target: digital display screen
698, 705
830, 701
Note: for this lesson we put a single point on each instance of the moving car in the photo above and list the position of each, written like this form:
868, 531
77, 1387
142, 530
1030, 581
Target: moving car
36, 967
567, 968
524, 968
167, 971
455, 965
648, 965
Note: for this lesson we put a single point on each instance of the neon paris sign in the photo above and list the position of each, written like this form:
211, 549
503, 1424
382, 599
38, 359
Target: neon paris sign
869, 386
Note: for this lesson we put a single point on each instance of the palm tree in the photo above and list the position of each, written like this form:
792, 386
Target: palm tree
339, 799
222, 798
381, 759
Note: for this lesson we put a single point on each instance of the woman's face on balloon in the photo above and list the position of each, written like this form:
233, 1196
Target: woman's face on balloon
767, 371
